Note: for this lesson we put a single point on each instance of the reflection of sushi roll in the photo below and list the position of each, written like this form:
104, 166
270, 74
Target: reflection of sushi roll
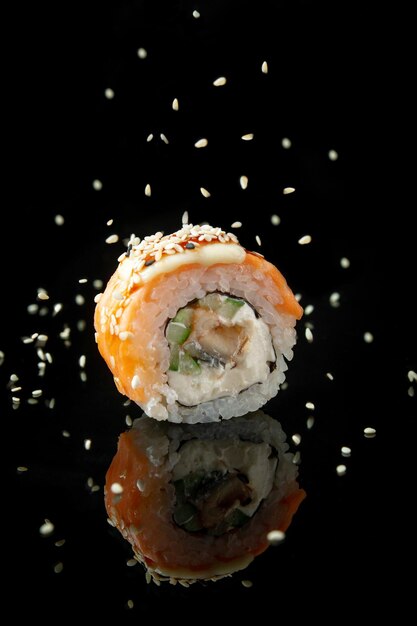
194, 327
197, 501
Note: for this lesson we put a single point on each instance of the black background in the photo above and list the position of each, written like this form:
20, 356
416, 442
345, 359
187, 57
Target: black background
325, 90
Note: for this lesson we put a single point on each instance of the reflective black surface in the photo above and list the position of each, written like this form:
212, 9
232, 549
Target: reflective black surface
321, 89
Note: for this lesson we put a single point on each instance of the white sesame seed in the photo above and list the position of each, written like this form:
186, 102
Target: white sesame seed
125, 334
309, 309
109, 222
116, 488
81, 325
95, 488
131, 562
82, 360
308, 335
196, 14
184, 218
275, 220
59, 220
130, 604
164, 138
286, 143
97, 184
43, 311
296, 458
87, 444
57, 308
243, 182
22, 469
346, 452
334, 299
142, 53
66, 434
83, 376
32, 401
149, 137
304, 240
42, 295
275, 537
148, 190
344, 262
247, 583
112, 239
32, 309
97, 297
368, 337
109, 93
296, 439
58, 567
205, 193
329, 376
288, 190
219, 82
236, 225
14, 378
264, 67
247, 137
59, 543
15, 400
310, 422
51, 403
36, 393
128, 420
369, 432
411, 391
175, 104
333, 155
47, 528
258, 240
135, 382
201, 143
412, 376
341, 470
310, 406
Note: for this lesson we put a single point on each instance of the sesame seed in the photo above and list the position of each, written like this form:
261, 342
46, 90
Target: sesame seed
344, 262
369, 432
196, 14
184, 218
286, 143
58, 568
175, 104
310, 406
332, 154
288, 190
247, 583
81, 325
142, 53
83, 376
329, 376
275, 220
164, 138
87, 444
79, 299
57, 308
412, 376
304, 240
219, 82
42, 294
334, 299
66, 434
296, 439
97, 297
275, 537
264, 67
411, 392
247, 137
128, 420
37, 393
51, 403
130, 604
296, 458
97, 184
125, 334
148, 190
205, 193
59, 543
15, 400
131, 562
112, 239
149, 137
308, 335
59, 220
201, 143
236, 225
135, 382
310, 422
258, 240
47, 528
32, 309
243, 182
341, 470
368, 337
22, 469
82, 360
109, 93
346, 452
116, 488
309, 309
14, 377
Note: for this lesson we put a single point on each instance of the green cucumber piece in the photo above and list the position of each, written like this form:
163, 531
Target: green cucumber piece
237, 518
174, 358
188, 365
210, 301
184, 316
229, 307
177, 332
184, 513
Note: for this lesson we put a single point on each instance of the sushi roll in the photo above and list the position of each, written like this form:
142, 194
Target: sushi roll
198, 501
195, 328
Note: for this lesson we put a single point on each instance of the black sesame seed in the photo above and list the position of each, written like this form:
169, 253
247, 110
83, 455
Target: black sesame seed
190, 246
150, 262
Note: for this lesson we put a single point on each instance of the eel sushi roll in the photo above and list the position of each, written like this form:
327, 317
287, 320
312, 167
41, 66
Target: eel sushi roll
195, 328
197, 501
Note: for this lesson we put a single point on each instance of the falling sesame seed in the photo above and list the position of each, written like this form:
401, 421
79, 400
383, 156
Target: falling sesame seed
275, 537
51, 403
32, 401
412, 376
82, 281
333, 155
247, 137
310, 422
15, 400
310, 406
109, 222
22, 469
219, 82
113, 238
59, 543
130, 604
346, 452
66, 434
97, 184
135, 382
296, 458
196, 14
304, 240
368, 337
334, 299
411, 391
309, 309
236, 225
116, 488
308, 335
275, 220
131, 562
42, 295
329, 376
32, 309
341, 470
37, 393
59, 220
97, 283
175, 104
286, 143
243, 182
184, 218
14, 378
81, 325
344, 262
148, 190
57, 308
201, 143
142, 53
128, 421
247, 583
288, 190
164, 138
205, 193
97, 297
369, 432
58, 568
87, 444
95, 488
47, 528
258, 240
83, 376
109, 93
149, 137
82, 360
296, 439
264, 67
